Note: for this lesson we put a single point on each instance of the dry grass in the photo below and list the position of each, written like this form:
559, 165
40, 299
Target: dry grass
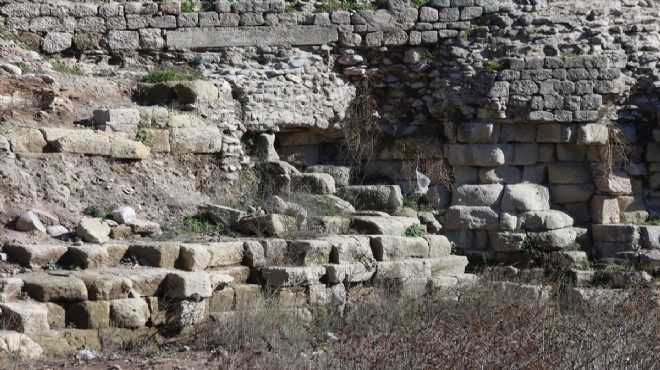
361, 128
487, 327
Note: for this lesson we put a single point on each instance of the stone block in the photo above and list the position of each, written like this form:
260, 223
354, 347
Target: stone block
188, 285
55, 42
556, 133
278, 276
123, 40
309, 252
615, 233
563, 194
544, 220
222, 300
448, 14
477, 195
518, 133
198, 140
24, 317
571, 152
315, 183
89, 315
88, 256
268, 225
373, 197
378, 225
157, 254
104, 286
524, 154
478, 132
225, 253
553, 240
604, 210
593, 133
525, 197
35, 256
151, 39
193, 257
130, 313
294, 35
349, 248
83, 142
500, 175
569, 173
480, 155
49, 288
616, 182
25, 140
248, 296
507, 241
398, 248
144, 227
471, 218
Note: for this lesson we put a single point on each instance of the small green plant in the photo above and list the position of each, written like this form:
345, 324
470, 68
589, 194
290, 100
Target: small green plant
417, 3
415, 230
171, 74
570, 54
105, 73
94, 210
494, 66
288, 8
4, 34
61, 68
141, 134
202, 223
429, 55
207, 7
70, 325
14, 356
24, 67
651, 222
329, 6
51, 265
187, 7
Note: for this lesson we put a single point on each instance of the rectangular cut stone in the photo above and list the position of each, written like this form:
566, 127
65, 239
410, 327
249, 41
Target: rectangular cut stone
468, 218
604, 210
250, 36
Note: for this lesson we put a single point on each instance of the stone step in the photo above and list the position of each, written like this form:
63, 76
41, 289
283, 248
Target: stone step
24, 317
379, 225
373, 197
341, 174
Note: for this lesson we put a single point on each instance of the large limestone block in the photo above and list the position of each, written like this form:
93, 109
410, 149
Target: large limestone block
416, 268
131, 313
50, 288
225, 215
145, 281
615, 233
106, 286
605, 210
248, 296
525, 197
446, 266
188, 285
10, 288
144, 227
373, 197
193, 257
222, 300
480, 155
507, 241
29, 221
89, 314
88, 256
544, 220
222, 278
225, 253
569, 173
124, 116
315, 183
195, 92
24, 317
279, 276
379, 225
471, 218
616, 182
122, 148
553, 240
350, 273
349, 248
341, 174
329, 224
650, 236
439, 245
25, 140
13, 342
87, 142
477, 195
186, 313
196, 140
156, 254
567, 194
327, 296
268, 225
35, 256
93, 230
398, 248
309, 252
649, 260
478, 132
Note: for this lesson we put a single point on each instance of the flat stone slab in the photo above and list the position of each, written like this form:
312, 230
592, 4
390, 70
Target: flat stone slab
35, 255
251, 36
53, 288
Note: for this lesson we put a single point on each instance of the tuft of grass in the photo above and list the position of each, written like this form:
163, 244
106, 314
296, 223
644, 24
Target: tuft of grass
495, 65
61, 68
570, 54
94, 210
187, 7
24, 67
202, 223
429, 56
51, 265
417, 3
141, 134
208, 7
288, 8
415, 230
171, 74
4, 34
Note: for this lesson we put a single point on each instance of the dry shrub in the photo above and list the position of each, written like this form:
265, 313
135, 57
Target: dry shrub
488, 326
361, 128
617, 151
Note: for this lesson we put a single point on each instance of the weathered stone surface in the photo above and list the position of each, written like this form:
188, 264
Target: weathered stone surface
123, 215
193, 257
89, 315
315, 183
35, 256
604, 210
378, 225
122, 148
188, 285
248, 36
341, 174
553, 239
649, 260
55, 42
480, 155
439, 245
309, 252
24, 317
544, 220
477, 195
398, 248
373, 197
123, 40
525, 197
464, 218
25, 140
507, 241
187, 313
129, 313
106, 286
88, 256
158, 254
83, 142
28, 222
50, 288
615, 233
198, 140
13, 342
349, 248
615, 182
292, 276
93, 230
349, 273
268, 225
564, 194
225, 253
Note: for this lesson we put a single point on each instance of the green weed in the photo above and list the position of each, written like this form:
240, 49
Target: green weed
51, 265
329, 6
415, 230
187, 7
61, 68
495, 65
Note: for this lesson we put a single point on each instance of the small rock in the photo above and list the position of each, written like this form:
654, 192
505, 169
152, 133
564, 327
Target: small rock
110, 223
92, 230
47, 79
33, 55
85, 354
123, 215
10, 68
143, 227
28, 222
56, 231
